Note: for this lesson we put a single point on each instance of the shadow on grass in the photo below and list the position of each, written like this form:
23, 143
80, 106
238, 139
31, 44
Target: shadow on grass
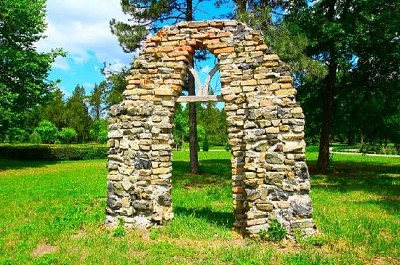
6, 164
374, 178
390, 204
224, 219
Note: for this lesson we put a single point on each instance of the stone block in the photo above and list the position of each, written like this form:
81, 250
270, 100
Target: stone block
224, 50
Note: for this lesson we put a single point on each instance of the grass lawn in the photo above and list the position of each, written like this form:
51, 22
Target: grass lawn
59, 208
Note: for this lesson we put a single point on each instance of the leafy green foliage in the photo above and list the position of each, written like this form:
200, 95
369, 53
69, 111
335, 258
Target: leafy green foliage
263, 235
23, 70
347, 84
276, 232
211, 124
114, 84
17, 135
99, 131
47, 131
35, 138
214, 122
120, 230
96, 100
67, 135
52, 152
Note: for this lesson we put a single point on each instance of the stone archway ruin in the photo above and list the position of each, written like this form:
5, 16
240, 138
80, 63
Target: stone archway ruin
265, 124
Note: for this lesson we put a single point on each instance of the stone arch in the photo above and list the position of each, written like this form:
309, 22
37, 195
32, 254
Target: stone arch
269, 174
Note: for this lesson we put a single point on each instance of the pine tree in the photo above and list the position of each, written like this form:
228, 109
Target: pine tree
54, 111
96, 101
77, 115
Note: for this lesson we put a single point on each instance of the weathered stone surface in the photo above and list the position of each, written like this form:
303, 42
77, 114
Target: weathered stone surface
265, 128
301, 205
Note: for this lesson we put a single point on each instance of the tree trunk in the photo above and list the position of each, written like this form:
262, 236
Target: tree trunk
361, 136
323, 156
194, 159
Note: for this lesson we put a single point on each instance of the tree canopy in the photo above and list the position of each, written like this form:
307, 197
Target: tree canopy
23, 70
345, 59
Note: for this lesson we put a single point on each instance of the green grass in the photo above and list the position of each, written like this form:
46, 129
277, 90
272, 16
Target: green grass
356, 207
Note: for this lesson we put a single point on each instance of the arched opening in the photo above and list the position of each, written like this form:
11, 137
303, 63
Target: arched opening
205, 197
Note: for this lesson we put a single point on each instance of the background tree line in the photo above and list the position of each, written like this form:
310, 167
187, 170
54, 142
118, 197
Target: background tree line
344, 54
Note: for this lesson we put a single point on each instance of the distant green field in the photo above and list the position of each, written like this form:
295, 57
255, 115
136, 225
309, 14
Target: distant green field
61, 205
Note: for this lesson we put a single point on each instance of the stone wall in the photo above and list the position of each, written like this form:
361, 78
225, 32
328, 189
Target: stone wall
270, 179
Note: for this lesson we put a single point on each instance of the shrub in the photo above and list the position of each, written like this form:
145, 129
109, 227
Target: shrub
98, 131
67, 135
17, 135
35, 138
47, 131
103, 136
53, 152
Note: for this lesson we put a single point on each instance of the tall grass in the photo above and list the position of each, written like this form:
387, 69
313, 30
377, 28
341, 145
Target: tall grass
356, 207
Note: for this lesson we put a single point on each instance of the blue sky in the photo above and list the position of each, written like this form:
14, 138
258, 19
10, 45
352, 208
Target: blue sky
81, 28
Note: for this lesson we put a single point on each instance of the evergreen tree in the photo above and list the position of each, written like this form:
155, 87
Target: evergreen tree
114, 85
55, 110
77, 116
96, 101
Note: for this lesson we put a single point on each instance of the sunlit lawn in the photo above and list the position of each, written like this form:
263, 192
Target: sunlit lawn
61, 206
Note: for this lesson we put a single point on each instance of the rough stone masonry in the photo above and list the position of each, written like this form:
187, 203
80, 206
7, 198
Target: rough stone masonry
270, 179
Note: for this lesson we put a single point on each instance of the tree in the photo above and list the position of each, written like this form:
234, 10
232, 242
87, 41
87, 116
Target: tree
342, 74
348, 36
55, 110
214, 122
96, 101
77, 115
47, 131
376, 75
149, 16
23, 70
98, 131
180, 125
302, 31
114, 84
67, 135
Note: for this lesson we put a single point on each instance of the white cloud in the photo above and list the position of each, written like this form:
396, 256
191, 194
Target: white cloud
61, 63
81, 28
